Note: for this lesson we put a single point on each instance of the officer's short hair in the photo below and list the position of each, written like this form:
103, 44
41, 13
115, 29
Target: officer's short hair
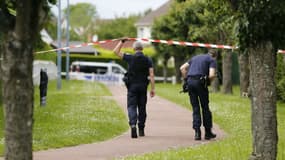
213, 53
138, 45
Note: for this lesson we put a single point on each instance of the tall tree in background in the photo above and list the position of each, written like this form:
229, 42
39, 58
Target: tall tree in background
1, 58
219, 22
82, 19
244, 73
182, 23
261, 32
227, 72
19, 33
118, 27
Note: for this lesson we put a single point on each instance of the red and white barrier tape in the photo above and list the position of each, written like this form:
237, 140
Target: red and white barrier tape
182, 43
169, 42
78, 46
281, 51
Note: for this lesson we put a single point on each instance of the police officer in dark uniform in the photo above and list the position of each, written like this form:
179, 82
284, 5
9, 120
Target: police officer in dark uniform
197, 73
140, 68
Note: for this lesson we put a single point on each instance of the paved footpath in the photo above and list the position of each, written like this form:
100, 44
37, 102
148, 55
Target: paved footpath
168, 126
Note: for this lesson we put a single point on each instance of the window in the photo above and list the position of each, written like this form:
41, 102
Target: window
116, 70
93, 69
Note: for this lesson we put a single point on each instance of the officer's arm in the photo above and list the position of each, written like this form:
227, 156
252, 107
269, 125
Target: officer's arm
212, 74
183, 69
151, 77
117, 49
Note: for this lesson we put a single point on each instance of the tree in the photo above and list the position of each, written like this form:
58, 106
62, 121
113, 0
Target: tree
244, 74
1, 40
19, 33
119, 27
82, 19
219, 23
261, 26
227, 72
182, 23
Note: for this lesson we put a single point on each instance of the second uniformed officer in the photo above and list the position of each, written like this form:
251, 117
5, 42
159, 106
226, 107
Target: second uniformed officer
140, 68
198, 72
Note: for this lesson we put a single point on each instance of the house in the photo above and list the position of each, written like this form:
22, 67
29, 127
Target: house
145, 23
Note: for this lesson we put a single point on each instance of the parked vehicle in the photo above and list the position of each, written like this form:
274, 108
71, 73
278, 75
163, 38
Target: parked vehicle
108, 73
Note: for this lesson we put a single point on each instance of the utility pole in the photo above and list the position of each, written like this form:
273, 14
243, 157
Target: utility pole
67, 41
59, 46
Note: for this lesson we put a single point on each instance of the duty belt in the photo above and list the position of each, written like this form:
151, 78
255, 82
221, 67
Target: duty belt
197, 77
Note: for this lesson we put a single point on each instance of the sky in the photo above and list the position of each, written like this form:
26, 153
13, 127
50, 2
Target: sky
109, 9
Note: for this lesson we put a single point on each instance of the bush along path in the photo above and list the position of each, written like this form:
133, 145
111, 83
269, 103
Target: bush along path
168, 126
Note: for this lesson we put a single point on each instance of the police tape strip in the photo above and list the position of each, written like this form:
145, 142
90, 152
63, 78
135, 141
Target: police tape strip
281, 51
77, 46
182, 43
169, 42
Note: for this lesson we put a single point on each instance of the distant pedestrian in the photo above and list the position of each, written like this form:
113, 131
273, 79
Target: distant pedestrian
198, 72
140, 68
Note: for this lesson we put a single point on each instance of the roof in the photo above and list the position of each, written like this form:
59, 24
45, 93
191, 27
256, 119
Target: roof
111, 45
149, 18
83, 49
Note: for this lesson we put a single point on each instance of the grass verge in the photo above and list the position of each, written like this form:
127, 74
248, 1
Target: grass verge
79, 113
232, 114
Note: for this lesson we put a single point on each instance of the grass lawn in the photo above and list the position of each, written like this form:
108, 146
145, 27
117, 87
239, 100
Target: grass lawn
232, 114
79, 113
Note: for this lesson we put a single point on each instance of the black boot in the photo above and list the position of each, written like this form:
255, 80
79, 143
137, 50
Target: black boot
134, 132
208, 134
141, 132
197, 134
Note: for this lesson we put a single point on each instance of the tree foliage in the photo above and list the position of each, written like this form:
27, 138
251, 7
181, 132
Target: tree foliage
82, 14
261, 21
119, 27
193, 21
82, 18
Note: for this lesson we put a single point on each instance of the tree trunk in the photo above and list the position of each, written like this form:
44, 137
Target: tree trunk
244, 74
215, 85
164, 72
1, 58
263, 102
18, 89
18, 98
179, 60
227, 72
165, 60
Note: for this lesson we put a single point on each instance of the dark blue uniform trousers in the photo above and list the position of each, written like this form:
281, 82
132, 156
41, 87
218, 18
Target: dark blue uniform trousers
137, 99
199, 95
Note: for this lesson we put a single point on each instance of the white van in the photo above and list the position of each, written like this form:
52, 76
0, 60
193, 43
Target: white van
108, 73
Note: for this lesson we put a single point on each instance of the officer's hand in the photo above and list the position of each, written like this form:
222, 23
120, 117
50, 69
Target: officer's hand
152, 93
124, 39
